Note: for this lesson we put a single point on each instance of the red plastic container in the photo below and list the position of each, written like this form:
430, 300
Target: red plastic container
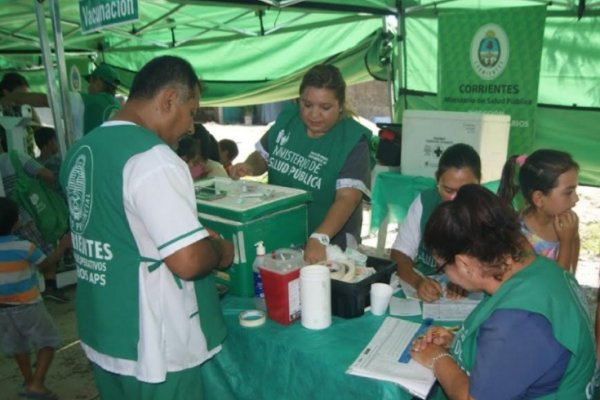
282, 294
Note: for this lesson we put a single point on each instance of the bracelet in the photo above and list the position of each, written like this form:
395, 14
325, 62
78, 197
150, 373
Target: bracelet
436, 358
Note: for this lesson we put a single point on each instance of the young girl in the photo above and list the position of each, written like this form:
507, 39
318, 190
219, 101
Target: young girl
548, 183
189, 151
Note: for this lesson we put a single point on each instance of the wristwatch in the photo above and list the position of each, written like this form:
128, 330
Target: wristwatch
321, 237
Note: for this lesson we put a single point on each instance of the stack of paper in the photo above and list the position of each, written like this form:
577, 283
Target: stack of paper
446, 309
380, 359
404, 307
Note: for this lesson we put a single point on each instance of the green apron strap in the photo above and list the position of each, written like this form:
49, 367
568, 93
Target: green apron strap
154, 266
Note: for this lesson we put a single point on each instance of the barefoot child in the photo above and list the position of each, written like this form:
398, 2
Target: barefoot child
24, 321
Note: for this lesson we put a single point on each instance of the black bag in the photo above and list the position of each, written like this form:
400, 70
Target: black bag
390, 141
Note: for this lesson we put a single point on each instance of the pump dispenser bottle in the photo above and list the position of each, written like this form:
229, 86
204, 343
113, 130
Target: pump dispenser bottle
259, 261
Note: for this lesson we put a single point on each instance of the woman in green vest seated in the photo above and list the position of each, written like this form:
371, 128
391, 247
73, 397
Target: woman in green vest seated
317, 146
459, 165
531, 336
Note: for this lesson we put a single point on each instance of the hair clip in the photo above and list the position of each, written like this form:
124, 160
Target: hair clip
521, 159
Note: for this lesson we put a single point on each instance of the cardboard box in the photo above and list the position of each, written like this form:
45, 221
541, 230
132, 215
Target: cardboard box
426, 134
348, 300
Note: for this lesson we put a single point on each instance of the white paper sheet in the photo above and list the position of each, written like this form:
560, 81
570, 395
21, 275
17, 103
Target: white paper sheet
409, 291
452, 310
379, 360
404, 307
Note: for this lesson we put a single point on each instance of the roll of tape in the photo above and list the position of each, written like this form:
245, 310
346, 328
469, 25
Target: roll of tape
336, 270
252, 318
340, 270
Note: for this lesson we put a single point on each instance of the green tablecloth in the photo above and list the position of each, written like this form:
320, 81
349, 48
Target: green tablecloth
393, 194
291, 362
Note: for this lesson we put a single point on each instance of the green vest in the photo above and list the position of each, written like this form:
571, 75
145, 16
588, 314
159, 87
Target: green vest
98, 107
212, 321
106, 253
298, 161
425, 262
546, 289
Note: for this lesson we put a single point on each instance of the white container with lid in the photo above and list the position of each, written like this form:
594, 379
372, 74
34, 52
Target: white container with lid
315, 297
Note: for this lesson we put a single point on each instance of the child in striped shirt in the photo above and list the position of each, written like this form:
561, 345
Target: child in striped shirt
24, 320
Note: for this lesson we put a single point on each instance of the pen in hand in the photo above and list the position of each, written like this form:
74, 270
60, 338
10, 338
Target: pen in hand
438, 335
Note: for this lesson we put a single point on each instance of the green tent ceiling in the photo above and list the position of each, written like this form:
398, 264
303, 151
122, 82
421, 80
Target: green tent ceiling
239, 50
256, 51
245, 48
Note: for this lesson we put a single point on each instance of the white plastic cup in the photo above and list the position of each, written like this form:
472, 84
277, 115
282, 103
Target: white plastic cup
315, 297
381, 293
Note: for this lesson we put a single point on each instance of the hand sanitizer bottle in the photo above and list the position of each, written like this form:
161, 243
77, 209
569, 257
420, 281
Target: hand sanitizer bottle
259, 261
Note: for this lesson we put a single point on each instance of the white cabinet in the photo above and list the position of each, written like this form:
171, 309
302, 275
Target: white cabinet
426, 134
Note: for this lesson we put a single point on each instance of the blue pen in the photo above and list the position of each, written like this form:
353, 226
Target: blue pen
405, 356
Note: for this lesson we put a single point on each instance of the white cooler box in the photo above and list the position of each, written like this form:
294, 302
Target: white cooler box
426, 134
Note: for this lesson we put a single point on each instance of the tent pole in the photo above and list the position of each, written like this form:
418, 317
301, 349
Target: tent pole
389, 73
159, 19
48, 66
401, 49
62, 76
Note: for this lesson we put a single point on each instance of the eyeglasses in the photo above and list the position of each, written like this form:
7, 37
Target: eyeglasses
441, 268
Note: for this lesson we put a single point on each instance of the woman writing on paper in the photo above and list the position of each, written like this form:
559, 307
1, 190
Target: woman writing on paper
531, 337
459, 165
317, 146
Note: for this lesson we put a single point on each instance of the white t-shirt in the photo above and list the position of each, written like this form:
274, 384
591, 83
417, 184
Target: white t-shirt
152, 180
77, 112
216, 169
160, 207
409, 235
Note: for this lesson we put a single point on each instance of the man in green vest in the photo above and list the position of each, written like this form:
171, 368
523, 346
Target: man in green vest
88, 110
147, 307
99, 104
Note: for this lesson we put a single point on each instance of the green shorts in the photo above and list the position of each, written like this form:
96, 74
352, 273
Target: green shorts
182, 385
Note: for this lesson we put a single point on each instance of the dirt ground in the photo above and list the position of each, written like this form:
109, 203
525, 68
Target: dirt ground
70, 375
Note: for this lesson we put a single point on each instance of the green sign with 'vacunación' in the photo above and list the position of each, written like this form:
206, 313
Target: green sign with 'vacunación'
98, 14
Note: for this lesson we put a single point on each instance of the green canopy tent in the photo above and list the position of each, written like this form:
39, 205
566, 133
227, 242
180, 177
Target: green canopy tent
568, 112
246, 52
255, 51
